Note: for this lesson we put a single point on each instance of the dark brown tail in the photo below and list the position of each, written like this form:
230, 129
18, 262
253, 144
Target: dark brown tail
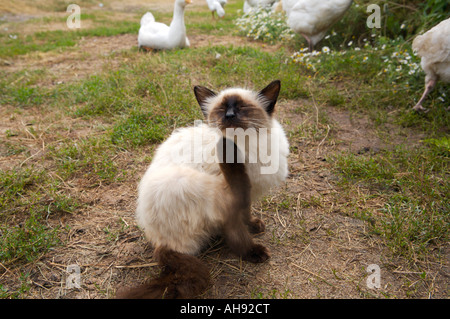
182, 277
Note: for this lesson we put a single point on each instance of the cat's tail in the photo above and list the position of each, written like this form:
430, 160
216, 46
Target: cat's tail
183, 276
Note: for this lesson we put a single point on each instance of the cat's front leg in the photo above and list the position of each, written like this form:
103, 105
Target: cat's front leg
256, 225
238, 221
257, 254
241, 243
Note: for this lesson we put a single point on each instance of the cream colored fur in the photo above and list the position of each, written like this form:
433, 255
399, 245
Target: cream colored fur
183, 200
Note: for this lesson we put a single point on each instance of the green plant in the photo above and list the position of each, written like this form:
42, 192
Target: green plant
27, 241
87, 158
413, 184
140, 129
263, 24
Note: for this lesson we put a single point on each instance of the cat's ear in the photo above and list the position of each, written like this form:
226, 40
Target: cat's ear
202, 94
270, 93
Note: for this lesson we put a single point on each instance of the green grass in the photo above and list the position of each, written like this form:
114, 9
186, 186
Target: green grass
17, 89
25, 187
413, 184
140, 129
89, 159
45, 41
28, 197
26, 242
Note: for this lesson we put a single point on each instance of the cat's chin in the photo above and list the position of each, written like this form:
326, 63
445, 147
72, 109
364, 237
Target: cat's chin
224, 130
230, 128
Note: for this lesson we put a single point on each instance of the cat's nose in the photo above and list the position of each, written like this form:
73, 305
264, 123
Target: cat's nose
230, 114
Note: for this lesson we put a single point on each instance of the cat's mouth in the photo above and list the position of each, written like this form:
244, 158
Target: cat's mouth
232, 124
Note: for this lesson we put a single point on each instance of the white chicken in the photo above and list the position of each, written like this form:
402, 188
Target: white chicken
157, 35
253, 4
312, 19
217, 6
434, 48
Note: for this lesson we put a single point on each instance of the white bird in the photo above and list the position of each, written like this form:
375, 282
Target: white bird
434, 48
157, 35
312, 19
217, 6
253, 4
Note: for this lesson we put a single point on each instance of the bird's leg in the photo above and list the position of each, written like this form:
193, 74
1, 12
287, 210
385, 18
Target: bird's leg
310, 46
428, 87
146, 49
212, 13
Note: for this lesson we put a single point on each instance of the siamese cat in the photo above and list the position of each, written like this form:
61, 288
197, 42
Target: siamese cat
201, 183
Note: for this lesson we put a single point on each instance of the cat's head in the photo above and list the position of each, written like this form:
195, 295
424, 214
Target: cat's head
238, 108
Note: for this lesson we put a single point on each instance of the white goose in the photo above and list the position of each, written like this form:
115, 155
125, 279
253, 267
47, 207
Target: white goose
312, 19
434, 48
157, 35
217, 6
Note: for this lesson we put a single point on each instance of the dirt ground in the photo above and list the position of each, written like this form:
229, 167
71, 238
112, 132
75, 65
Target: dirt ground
318, 250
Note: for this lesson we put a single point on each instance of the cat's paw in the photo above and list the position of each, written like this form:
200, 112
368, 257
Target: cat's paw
256, 226
257, 254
